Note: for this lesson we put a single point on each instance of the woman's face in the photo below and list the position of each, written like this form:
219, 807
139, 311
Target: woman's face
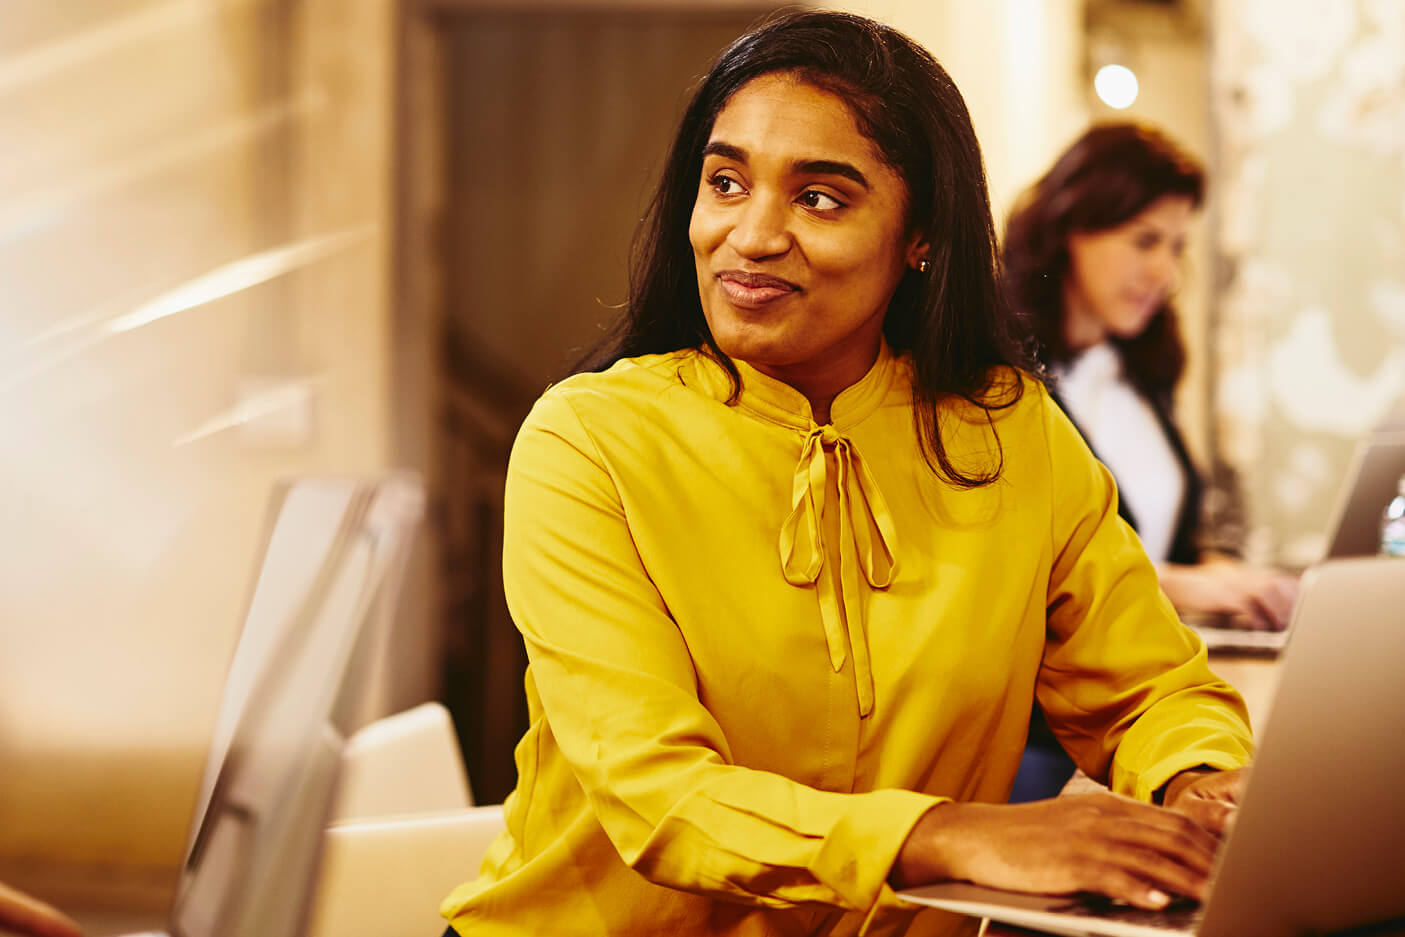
799, 235
1118, 277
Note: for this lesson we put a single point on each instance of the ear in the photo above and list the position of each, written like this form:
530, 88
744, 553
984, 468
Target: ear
918, 250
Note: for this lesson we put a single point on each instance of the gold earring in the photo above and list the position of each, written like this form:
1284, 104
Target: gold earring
924, 265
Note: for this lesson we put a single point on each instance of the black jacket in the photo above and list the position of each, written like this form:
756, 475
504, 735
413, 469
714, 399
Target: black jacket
1185, 546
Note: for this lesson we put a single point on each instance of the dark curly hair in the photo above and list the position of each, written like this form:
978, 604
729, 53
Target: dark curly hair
953, 320
1110, 174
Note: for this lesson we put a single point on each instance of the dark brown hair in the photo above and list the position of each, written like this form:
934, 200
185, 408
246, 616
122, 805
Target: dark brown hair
953, 319
1107, 177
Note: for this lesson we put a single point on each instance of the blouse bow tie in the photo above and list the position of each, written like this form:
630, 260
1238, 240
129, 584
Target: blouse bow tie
867, 541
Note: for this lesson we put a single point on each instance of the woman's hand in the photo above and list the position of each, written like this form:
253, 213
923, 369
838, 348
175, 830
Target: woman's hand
1104, 843
1208, 797
1255, 598
25, 915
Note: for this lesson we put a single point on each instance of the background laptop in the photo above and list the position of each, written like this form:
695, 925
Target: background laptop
1370, 482
1374, 472
1319, 843
329, 570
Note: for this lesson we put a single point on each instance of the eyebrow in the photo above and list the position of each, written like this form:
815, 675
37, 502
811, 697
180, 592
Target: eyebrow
817, 167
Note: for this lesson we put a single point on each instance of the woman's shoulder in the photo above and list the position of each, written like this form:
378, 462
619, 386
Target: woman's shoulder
624, 377
624, 387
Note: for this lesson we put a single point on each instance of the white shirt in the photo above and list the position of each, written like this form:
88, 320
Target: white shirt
1125, 433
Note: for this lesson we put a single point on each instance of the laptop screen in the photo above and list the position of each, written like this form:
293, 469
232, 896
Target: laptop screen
335, 548
1375, 471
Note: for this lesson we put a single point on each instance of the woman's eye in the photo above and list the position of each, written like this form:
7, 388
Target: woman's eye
724, 185
819, 201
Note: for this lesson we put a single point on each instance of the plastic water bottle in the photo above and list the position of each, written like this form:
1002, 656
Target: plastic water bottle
1393, 524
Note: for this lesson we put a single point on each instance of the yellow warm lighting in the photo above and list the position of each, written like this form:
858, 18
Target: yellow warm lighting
1116, 86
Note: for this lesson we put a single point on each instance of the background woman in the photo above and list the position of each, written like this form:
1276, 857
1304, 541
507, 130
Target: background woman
784, 626
1093, 254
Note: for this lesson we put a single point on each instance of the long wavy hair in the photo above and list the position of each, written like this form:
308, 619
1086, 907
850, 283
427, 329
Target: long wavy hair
1107, 177
953, 320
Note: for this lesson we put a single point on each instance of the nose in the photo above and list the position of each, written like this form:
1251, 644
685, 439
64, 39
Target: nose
761, 228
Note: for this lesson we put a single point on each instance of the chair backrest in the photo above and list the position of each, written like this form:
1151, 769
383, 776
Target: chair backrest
402, 764
389, 875
404, 834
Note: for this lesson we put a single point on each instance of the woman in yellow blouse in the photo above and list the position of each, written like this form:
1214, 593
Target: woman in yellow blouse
795, 557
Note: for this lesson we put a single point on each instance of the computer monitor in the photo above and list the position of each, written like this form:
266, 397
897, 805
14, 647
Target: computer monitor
317, 615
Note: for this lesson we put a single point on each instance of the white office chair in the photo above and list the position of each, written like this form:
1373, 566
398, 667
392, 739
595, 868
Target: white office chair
404, 832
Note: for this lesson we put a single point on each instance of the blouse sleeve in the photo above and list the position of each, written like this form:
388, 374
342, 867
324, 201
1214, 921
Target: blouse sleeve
618, 691
1126, 687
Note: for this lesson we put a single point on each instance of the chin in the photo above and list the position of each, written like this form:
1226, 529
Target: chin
756, 351
1133, 325
752, 343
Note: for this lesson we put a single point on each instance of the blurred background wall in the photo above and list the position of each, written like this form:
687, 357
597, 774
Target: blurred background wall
1309, 344
246, 238
194, 263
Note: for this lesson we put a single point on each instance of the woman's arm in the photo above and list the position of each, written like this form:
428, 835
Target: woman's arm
1102, 843
1127, 689
1129, 693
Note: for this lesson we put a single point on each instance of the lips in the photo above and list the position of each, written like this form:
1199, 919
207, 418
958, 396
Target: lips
753, 290
1146, 306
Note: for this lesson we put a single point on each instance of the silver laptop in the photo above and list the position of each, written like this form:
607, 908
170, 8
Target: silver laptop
336, 550
1374, 472
1319, 843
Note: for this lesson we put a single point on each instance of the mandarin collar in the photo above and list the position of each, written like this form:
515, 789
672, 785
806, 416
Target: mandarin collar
777, 402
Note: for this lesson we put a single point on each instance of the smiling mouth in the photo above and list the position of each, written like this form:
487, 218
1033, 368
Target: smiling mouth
754, 290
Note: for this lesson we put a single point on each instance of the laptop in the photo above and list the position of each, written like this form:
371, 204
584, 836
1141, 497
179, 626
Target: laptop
1373, 475
333, 558
1377, 463
1319, 843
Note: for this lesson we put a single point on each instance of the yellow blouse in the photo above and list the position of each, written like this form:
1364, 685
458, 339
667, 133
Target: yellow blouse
761, 649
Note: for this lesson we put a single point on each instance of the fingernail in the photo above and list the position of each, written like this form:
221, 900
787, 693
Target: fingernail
1158, 898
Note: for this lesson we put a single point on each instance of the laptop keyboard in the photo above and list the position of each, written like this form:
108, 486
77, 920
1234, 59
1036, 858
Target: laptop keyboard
1181, 915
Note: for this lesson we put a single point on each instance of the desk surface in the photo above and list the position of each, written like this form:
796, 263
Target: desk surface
1256, 679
